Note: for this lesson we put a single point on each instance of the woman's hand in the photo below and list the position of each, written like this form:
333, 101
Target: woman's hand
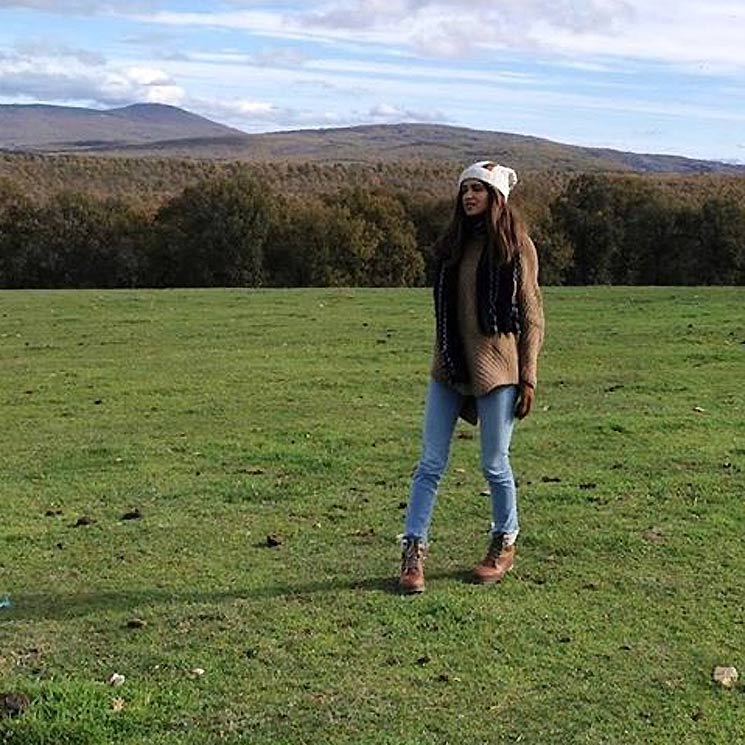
524, 400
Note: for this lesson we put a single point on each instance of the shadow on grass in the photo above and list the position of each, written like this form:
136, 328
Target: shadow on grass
38, 606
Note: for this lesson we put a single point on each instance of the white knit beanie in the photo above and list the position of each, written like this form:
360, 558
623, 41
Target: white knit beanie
500, 177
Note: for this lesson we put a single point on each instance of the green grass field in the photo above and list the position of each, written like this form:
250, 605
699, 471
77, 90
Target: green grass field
226, 417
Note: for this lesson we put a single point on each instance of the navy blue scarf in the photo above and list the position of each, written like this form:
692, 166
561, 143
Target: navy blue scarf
496, 304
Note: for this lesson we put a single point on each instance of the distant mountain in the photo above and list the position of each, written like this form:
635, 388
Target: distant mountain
391, 142
41, 128
167, 131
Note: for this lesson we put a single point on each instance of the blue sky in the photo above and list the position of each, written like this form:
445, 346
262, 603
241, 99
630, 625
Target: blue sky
656, 76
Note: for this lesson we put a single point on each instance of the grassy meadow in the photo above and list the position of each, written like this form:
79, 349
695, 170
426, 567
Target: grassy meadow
223, 421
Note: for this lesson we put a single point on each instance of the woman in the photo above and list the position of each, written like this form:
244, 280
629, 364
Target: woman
489, 330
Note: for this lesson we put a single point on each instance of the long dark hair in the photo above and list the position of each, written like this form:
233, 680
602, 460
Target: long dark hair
504, 230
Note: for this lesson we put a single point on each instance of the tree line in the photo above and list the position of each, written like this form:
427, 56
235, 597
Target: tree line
233, 230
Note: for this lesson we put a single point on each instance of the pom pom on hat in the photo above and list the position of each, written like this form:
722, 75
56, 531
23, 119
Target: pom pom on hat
500, 177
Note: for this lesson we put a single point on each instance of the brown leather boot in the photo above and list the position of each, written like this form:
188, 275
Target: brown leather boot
498, 561
412, 566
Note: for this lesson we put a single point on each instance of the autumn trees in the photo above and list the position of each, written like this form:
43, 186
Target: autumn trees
71, 241
315, 244
621, 231
211, 235
233, 229
225, 232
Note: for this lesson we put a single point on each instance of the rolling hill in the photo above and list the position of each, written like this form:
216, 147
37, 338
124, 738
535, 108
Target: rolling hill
143, 130
42, 128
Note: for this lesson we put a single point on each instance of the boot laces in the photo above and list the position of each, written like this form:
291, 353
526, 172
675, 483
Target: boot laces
495, 547
411, 557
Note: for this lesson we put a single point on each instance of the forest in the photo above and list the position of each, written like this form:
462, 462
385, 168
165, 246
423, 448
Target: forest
84, 222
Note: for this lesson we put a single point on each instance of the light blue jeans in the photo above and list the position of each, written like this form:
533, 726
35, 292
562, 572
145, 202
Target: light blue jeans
496, 420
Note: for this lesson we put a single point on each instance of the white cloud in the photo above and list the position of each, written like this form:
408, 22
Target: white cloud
384, 110
686, 33
135, 84
155, 40
40, 47
261, 116
82, 7
253, 115
147, 76
67, 79
283, 57
682, 32
254, 109
386, 113
277, 57
56, 6
409, 71
168, 94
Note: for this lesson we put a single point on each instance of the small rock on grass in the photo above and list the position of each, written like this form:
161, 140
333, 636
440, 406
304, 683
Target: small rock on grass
654, 535
134, 514
272, 541
13, 704
726, 676
196, 672
115, 680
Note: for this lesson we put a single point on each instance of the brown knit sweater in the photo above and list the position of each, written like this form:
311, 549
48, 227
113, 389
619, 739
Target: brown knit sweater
501, 359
